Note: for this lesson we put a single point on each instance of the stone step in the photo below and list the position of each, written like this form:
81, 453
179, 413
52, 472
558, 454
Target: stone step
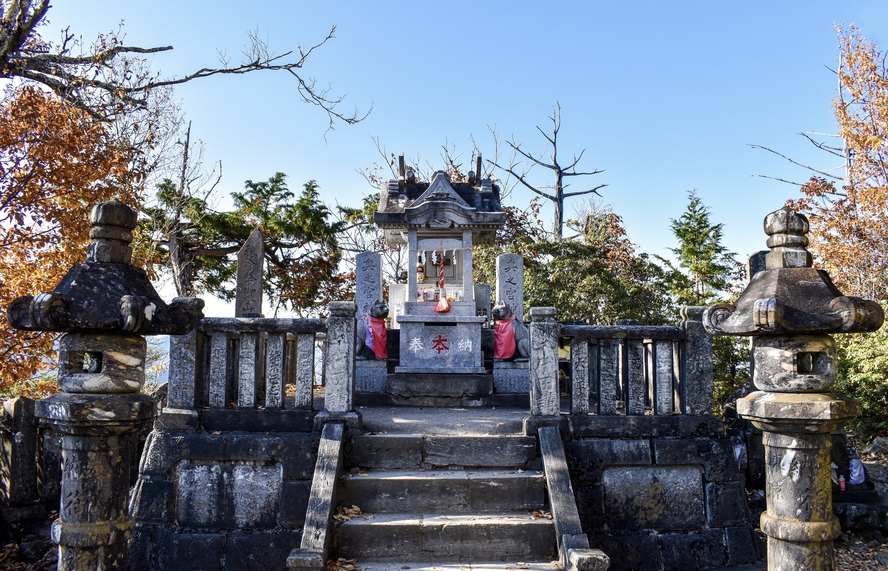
453, 421
418, 451
473, 566
450, 538
450, 491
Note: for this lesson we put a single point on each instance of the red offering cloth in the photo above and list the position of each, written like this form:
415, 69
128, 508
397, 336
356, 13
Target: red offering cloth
504, 338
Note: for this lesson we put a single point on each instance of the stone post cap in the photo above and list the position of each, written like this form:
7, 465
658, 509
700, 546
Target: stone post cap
542, 314
342, 308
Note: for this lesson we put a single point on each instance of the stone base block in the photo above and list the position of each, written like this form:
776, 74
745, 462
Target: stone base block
370, 376
511, 376
653, 497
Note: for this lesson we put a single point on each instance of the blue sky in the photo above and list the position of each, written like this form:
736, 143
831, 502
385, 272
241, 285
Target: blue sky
664, 96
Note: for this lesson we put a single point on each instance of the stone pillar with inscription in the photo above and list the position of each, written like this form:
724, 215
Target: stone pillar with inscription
512, 376
510, 282
339, 365
370, 374
105, 306
248, 295
790, 309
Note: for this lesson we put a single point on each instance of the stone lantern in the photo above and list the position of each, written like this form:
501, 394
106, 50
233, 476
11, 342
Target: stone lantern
105, 307
790, 309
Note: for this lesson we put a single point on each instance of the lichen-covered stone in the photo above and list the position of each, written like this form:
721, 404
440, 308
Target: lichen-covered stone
653, 497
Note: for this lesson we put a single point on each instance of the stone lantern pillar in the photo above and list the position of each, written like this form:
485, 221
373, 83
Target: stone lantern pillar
104, 307
790, 309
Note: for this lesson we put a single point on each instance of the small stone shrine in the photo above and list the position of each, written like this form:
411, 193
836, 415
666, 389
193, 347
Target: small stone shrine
439, 221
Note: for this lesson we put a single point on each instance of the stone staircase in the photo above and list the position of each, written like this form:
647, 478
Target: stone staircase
444, 487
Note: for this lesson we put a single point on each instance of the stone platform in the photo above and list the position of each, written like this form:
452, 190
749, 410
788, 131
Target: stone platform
440, 389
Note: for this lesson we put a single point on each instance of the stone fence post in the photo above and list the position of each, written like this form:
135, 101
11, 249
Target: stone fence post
544, 397
339, 364
789, 309
18, 452
105, 306
697, 394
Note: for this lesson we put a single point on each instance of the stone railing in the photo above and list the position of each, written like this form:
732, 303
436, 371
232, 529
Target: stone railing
624, 369
245, 363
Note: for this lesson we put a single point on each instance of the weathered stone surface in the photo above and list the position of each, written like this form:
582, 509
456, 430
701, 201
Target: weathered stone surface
340, 361
800, 363
478, 450
316, 533
183, 351
698, 365
368, 281
254, 420
151, 501
726, 504
544, 396
371, 376
387, 451
714, 455
629, 551
193, 551
653, 497
18, 449
692, 551
294, 502
588, 458
96, 363
511, 377
743, 545
225, 495
259, 550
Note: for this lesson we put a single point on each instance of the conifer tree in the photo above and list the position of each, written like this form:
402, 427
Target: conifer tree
705, 265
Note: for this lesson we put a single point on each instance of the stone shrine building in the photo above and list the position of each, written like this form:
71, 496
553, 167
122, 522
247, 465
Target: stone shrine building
440, 222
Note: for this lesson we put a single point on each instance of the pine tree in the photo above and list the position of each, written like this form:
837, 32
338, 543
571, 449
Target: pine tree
705, 265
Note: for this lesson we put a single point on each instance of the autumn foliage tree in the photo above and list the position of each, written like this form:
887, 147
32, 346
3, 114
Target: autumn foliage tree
82, 123
849, 218
56, 161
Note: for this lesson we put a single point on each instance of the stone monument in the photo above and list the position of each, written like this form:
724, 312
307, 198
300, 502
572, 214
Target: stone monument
789, 309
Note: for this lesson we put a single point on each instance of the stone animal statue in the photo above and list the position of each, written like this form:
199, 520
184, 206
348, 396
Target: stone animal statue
372, 337
511, 335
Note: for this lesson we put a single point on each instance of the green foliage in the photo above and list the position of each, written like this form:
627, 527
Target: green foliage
704, 264
597, 276
862, 374
730, 366
201, 244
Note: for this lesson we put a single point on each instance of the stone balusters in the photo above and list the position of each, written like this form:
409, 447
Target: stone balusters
105, 306
789, 309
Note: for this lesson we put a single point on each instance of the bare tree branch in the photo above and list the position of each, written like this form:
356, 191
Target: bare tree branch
99, 81
810, 168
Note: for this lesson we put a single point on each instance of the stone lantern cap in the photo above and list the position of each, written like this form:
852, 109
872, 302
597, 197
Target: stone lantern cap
790, 296
106, 294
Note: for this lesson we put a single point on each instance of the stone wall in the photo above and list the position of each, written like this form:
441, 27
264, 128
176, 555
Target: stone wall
221, 499
660, 492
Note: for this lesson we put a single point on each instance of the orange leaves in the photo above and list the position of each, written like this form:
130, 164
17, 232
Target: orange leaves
850, 224
55, 163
